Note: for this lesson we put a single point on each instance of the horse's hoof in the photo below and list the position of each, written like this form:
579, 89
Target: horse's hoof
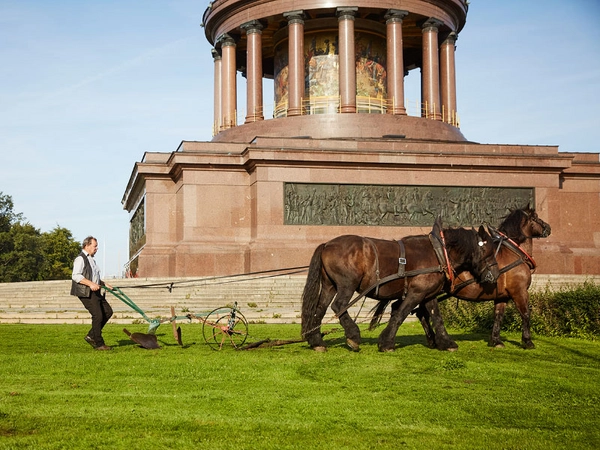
320, 349
354, 346
451, 347
528, 345
386, 350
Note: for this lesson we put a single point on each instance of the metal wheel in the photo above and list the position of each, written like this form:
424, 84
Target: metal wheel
225, 326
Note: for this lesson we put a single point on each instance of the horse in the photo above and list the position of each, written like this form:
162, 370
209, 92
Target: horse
514, 249
411, 269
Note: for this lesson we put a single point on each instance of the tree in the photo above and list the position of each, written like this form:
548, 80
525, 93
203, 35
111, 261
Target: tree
26, 254
20, 256
7, 215
59, 250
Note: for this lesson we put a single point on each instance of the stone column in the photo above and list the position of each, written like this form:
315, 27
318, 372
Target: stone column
295, 62
448, 79
228, 82
430, 82
347, 53
395, 61
217, 91
254, 72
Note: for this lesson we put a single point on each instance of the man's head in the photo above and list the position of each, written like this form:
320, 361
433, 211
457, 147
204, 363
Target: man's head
90, 245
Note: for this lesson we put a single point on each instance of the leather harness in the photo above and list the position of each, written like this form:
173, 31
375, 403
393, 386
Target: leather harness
444, 267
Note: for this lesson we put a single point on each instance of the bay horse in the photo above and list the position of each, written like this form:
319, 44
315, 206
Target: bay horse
350, 263
514, 249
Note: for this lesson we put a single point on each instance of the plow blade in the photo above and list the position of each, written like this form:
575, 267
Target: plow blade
145, 340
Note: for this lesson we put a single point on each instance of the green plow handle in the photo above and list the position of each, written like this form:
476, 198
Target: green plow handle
117, 292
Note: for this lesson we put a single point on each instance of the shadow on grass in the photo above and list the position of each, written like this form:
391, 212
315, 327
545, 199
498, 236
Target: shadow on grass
572, 351
420, 340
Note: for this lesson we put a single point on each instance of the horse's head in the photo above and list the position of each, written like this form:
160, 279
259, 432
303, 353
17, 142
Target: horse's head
532, 225
522, 224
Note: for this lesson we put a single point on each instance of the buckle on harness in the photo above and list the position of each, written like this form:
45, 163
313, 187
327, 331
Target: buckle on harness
402, 261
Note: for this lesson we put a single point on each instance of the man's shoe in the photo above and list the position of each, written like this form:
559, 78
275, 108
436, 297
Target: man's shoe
104, 347
90, 341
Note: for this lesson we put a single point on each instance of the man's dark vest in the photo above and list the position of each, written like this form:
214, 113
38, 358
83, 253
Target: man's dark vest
78, 289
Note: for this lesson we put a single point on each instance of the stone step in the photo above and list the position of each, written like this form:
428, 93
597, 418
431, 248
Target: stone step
266, 300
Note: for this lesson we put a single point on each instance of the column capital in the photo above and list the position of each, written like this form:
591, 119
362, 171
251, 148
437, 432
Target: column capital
215, 54
294, 17
225, 40
254, 26
432, 24
395, 15
451, 39
346, 12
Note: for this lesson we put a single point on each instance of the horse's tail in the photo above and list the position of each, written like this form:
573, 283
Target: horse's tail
377, 312
312, 290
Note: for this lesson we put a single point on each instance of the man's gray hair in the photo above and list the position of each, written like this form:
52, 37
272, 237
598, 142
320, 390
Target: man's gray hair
88, 240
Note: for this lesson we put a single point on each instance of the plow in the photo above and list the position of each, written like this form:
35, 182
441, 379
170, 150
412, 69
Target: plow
224, 326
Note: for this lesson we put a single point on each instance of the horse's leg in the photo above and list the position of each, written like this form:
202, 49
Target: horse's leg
423, 317
388, 335
522, 303
443, 341
499, 309
352, 331
314, 336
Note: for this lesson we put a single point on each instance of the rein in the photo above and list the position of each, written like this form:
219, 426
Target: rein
528, 258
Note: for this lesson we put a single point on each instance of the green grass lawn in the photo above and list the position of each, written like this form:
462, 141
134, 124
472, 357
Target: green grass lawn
58, 393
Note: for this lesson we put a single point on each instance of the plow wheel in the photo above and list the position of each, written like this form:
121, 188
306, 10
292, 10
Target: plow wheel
225, 326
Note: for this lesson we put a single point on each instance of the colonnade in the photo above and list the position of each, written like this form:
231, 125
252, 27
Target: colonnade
438, 80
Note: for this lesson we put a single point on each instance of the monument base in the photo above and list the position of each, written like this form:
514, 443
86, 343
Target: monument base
222, 208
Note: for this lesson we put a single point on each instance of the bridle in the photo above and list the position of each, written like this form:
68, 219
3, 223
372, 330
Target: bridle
533, 217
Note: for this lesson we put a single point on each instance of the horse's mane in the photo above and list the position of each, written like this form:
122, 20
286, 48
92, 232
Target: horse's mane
461, 239
511, 225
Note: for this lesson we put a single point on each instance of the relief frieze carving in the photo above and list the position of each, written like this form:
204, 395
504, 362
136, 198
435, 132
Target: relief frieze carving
137, 229
399, 205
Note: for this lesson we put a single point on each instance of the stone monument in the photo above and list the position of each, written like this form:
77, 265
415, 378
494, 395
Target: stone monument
341, 154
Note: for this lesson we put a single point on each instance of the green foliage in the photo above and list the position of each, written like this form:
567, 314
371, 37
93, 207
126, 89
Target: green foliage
58, 393
20, 257
59, 250
7, 215
26, 254
572, 312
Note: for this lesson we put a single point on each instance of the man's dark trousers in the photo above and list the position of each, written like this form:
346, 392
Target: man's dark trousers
100, 311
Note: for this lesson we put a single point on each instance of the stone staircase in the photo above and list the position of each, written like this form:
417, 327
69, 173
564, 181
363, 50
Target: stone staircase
275, 299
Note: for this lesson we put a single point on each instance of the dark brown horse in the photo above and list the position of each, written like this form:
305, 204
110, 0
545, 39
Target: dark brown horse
349, 264
516, 264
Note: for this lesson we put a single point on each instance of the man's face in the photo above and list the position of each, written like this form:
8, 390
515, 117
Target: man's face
92, 247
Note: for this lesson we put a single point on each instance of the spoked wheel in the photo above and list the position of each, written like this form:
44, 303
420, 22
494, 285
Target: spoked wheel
225, 326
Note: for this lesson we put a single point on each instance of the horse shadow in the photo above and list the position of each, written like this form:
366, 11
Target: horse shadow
401, 341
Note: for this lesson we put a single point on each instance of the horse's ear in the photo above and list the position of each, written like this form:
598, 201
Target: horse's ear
483, 235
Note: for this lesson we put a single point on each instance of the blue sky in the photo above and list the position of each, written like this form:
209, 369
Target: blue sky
86, 87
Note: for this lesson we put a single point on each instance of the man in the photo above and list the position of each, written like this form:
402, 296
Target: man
86, 285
